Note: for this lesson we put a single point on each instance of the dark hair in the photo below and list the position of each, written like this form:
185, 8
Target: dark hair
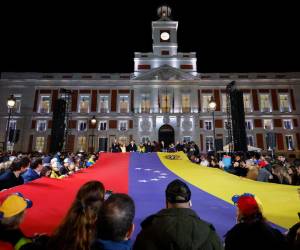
77, 230
115, 217
24, 162
36, 163
178, 192
15, 165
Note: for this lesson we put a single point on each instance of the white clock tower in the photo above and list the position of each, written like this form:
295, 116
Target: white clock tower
164, 33
164, 57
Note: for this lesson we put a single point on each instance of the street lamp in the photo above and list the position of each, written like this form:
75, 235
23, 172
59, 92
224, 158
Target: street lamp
212, 105
93, 122
11, 103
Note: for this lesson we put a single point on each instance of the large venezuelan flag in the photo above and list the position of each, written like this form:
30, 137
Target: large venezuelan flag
144, 177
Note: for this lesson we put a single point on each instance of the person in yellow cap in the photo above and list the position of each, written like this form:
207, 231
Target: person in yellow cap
12, 212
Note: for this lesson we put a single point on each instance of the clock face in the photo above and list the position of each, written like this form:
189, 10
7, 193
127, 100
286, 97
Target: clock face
165, 36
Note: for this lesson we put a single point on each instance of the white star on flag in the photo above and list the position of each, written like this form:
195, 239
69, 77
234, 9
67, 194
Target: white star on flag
156, 171
154, 179
163, 174
162, 177
138, 168
142, 181
148, 169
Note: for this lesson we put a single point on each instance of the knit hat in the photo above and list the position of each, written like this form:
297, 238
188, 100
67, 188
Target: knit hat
178, 192
13, 205
247, 203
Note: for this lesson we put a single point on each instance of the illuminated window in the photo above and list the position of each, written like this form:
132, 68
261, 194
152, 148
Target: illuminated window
44, 106
82, 143
39, 143
205, 102
186, 103
284, 103
247, 103
102, 125
82, 126
289, 142
41, 125
124, 104
103, 104
249, 124
209, 143
145, 104
268, 124
84, 104
208, 125
287, 124
17, 108
123, 125
224, 102
265, 104
165, 103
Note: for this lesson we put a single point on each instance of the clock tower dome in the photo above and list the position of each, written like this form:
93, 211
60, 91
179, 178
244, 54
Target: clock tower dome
164, 55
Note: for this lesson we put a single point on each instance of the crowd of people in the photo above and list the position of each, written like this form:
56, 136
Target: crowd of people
93, 222
16, 169
251, 165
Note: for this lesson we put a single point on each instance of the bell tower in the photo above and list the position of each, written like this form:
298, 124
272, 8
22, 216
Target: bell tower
164, 33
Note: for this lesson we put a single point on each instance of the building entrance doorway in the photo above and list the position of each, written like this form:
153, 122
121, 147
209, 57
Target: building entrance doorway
166, 134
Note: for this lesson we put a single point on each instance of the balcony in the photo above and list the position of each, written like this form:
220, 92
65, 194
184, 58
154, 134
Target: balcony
285, 109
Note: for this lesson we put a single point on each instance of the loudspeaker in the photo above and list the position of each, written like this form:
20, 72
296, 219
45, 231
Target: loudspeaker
58, 126
238, 121
219, 145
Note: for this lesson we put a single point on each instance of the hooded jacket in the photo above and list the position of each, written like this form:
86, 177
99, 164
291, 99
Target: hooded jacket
176, 229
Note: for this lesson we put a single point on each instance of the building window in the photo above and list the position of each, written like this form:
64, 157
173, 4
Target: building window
145, 104
44, 106
124, 104
187, 139
289, 142
84, 104
186, 103
226, 125
209, 143
12, 125
249, 124
287, 124
82, 126
250, 140
247, 103
165, 103
224, 102
39, 144
284, 103
82, 143
208, 125
265, 104
123, 125
41, 125
102, 125
145, 139
103, 104
205, 102
268, 124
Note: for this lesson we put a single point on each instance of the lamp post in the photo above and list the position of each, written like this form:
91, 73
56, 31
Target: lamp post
93, 122
212, 107
11, 103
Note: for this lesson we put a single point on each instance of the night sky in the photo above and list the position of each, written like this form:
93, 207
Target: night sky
83, 37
